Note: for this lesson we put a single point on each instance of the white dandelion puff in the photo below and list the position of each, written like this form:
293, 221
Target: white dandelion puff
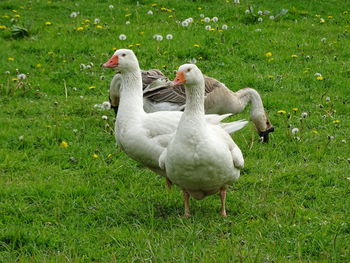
260, 19
169, 36
97, 20
184, 23
318, 74
206, 19
150, 12
122, 37
73, 14
207, 27
295, 130
127, 23
260, 12
21, 138
247, 11
111, 6
104, 117
271, 17
304, 114
215, 19
201, 15
323, 39
106, 105
21, 76
224, 27
189, 20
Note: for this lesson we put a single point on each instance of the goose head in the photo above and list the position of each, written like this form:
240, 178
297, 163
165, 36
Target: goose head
189, 75
124, 60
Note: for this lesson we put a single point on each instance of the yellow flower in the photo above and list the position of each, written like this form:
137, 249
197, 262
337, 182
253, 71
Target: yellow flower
17, 15
294, 56
2, 27
306, 70
295, 109
14, 79
64, 144
171, 16
13, 10
220, 30
212, 29
268, 54
315, 131
114, 49
99, 26
336, 121
137, 44
200, 58
80, 28
126, 15
10, 59
141, 33
38, 65
320, 78
281, 112
48, 23
330, 17
109, 155
95, 156
87, 21
196, 45
92, 87
130, 46
322, 20
199, 8
154, 4
270, 77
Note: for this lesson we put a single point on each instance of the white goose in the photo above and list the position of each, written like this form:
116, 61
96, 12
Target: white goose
202, 159
160, 95
144, 136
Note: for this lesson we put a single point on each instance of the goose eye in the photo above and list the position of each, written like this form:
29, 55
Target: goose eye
188, 70
123, 55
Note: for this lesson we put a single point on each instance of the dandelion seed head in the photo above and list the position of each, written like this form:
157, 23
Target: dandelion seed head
295, 130
271, 17
207, 27
111, 6
258, 30
328, 99
21, 138
106, 105
215, 19
74, 14
150, 12
201, 15
260, 12
169, 36
122, 37
260, 19
247, 11
184, 23
304, 114
323, 39
104, 117
97, 20
224, 27
206, 19
21, 76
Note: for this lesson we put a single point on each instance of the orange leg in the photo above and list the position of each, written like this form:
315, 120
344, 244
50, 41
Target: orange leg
186, 203
223, 198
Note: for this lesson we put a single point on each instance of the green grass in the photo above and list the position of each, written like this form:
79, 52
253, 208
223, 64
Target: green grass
59, 204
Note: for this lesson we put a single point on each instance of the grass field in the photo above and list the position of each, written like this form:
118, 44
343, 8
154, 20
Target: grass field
67, 194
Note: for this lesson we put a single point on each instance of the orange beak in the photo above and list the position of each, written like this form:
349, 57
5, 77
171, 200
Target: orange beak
112, 62
179, 79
